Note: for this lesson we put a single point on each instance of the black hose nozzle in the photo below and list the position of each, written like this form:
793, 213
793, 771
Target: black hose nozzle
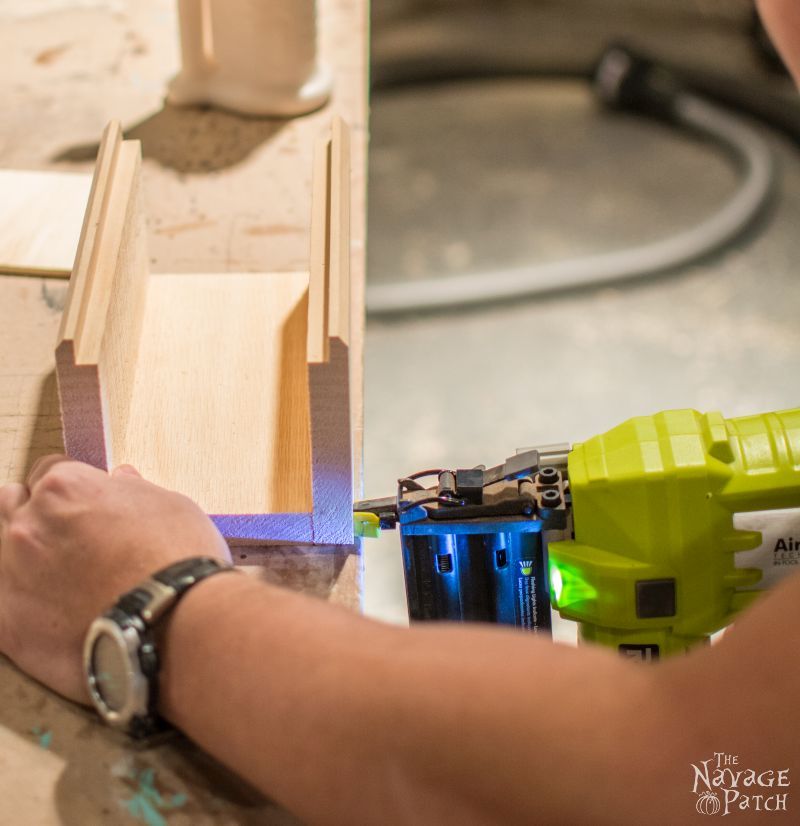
629, 81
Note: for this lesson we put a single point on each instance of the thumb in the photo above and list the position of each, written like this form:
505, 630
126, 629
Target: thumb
125, 470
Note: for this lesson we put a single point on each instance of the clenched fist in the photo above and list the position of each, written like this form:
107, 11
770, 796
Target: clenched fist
74, 539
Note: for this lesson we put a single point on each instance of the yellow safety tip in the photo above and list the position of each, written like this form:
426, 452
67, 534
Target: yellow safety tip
366, 524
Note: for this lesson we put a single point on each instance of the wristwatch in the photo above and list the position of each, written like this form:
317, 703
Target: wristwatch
120, 657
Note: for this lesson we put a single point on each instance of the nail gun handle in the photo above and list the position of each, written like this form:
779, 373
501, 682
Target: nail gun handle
765, 459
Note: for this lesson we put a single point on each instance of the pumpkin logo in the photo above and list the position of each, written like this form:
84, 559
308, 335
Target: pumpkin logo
708, 804
526, 566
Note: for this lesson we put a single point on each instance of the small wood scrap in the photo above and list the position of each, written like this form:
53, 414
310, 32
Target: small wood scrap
40, 221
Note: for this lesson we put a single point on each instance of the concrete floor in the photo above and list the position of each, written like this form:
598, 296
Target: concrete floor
470, 177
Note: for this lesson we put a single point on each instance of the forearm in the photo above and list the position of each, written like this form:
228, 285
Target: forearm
339, 718
739, 697
346, 720
268, 683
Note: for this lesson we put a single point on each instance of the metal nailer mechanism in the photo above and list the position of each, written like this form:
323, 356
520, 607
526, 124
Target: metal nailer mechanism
474, 543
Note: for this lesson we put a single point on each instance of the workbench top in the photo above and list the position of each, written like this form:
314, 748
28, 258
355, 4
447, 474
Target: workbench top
224, 194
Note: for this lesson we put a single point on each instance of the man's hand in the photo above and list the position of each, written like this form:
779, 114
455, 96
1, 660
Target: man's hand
74, 539
782, 20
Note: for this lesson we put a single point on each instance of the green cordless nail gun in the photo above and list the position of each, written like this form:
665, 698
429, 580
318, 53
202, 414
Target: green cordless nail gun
641, 534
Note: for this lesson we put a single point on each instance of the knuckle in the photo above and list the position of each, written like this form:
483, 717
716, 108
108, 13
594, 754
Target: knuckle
20, 533
59, 479
51, 483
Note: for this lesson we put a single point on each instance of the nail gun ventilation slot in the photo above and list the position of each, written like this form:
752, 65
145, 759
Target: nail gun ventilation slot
444, 562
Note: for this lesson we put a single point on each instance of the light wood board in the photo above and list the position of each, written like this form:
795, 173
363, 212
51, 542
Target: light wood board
40, 220
228, 422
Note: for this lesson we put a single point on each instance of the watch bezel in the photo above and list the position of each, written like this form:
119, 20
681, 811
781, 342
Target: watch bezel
128, 640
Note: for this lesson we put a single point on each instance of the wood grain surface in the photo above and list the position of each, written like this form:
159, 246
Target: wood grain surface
220, 407
40, 216
329, 368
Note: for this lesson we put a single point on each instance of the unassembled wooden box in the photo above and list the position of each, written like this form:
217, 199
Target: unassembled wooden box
233, 389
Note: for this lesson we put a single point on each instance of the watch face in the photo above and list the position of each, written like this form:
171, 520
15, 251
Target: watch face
110, 672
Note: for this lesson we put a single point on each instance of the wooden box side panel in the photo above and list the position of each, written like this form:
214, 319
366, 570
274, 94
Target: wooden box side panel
328, 341
339, 256
319, 261
101, 327
121, 340
79, 387
81, 406
93, 220
331, 447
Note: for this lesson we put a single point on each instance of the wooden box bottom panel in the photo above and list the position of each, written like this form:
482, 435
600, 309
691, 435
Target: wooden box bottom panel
220, 402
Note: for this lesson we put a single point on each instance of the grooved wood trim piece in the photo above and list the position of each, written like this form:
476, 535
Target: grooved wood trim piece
231, 388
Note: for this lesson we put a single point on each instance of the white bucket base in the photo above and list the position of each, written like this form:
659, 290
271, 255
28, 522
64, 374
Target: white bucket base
246, 99
255, 57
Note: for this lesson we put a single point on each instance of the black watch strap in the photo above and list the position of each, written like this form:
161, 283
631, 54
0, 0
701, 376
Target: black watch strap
142, 603
182, 575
